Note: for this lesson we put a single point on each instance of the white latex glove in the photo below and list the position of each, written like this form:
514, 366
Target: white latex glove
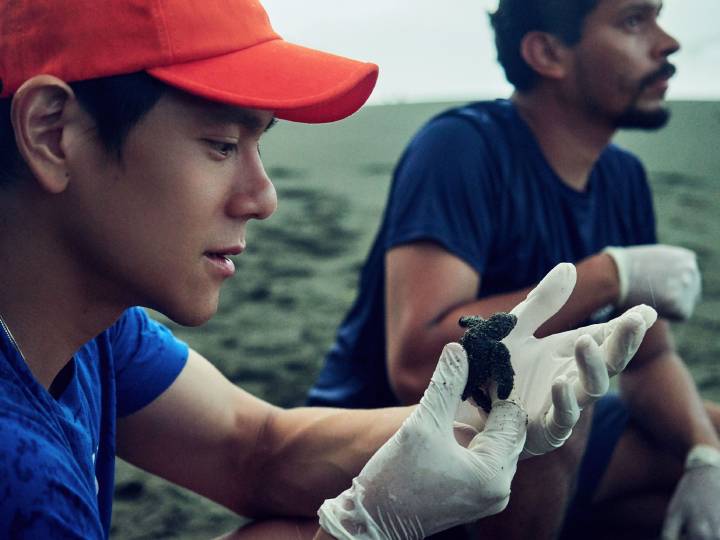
665, 277
694, 511
422, 481
556, 376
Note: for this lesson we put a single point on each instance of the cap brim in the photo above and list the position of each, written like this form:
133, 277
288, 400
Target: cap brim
297, 83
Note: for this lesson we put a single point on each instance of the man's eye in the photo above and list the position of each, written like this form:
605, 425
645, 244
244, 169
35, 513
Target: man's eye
633, 22
223, 148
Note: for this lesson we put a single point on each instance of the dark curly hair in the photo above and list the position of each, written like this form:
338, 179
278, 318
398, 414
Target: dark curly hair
515, 18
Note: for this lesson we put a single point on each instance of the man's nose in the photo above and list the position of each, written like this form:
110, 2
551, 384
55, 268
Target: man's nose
667, 44
255, 196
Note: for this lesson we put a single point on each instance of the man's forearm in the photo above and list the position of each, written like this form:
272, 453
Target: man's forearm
596, 288
311, 454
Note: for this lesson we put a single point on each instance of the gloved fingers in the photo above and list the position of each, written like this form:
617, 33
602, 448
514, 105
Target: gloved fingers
693, 510
686, 290
672, 527
464, 433
470, 414
442, 397
502, 439
700, 529
624, 341
545, 299
648, 314
563, 413
602, 331
593, 380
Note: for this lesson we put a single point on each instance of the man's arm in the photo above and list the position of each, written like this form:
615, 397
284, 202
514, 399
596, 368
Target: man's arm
428, 289
212, 437
268, 462
674, 416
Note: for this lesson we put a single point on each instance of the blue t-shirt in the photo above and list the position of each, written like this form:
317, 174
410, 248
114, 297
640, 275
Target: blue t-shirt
475, 181
57, 456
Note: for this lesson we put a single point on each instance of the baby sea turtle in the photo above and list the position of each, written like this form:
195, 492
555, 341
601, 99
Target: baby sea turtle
488, 359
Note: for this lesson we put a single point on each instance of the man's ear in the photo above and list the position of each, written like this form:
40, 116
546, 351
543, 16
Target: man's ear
545, 54
41, 109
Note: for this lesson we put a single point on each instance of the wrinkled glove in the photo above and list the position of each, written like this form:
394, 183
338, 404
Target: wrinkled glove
422, 481
694, 511
556, 376
665, 277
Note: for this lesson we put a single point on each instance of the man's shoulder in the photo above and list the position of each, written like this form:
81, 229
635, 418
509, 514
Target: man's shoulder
135, 331
475, 131
615, 151
131, 320
482, 115
619, 159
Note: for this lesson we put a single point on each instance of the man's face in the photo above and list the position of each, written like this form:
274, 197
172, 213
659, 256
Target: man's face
620, 65
156, 228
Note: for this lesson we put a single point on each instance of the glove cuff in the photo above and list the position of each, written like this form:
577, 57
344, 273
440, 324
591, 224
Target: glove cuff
702, 455
345, 518
617, 254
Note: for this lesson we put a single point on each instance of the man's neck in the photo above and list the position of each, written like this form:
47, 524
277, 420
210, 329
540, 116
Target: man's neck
570, 139
49, 308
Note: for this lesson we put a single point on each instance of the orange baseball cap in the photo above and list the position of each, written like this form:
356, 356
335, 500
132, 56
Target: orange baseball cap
221, 50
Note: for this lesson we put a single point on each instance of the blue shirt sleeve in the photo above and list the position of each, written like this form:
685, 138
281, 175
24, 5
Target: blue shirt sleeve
443, 192
148, 358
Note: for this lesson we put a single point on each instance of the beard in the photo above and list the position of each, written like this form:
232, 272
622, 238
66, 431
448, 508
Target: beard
636, 118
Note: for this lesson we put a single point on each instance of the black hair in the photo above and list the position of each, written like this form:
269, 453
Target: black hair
116, 104
515, 18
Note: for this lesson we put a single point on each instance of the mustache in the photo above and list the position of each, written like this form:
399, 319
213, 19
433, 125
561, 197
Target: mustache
665, 72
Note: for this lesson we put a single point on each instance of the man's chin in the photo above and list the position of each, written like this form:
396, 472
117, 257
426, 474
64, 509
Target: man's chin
195, 316
192, 320
637, 118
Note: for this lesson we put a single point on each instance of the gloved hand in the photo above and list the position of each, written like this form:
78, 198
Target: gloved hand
665, 277
556, 376
422, 481
694, 511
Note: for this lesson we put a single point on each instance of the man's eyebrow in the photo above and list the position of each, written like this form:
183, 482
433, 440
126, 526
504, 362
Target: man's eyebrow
643, 5
226, 114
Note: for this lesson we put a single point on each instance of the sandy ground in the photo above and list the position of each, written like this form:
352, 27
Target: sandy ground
294, 283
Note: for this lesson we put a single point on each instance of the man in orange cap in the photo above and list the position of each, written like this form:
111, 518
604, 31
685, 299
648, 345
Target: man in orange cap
129, 169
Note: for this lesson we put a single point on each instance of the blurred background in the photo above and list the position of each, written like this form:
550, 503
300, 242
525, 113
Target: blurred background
444, 51
298, 276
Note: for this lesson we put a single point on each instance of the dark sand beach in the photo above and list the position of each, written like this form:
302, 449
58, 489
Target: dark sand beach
297, 278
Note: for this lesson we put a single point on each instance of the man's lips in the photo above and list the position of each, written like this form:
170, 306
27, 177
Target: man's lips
660, 85
220, 258
227, 251
660, 78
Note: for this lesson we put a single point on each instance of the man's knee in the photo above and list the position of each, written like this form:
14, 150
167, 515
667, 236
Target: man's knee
638, 465
540, 493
